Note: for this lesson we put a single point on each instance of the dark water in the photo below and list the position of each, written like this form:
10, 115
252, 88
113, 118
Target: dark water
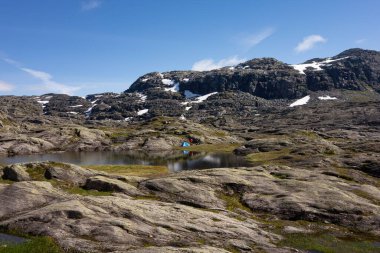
10, 239
176, 161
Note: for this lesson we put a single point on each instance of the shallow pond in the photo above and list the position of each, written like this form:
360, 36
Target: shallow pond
175, 161
10, 239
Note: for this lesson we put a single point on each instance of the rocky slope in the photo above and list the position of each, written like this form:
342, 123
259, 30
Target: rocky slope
250, 85
311, 131
230, 98
220, 210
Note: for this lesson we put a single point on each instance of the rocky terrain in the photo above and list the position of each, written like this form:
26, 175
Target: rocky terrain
172, 106
217, 210
311, 132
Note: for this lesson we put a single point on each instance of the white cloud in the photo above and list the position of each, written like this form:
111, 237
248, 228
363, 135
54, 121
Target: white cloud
38, 74
210, 64
48, 84
252, 40
91, 4
360, 41
309, 42
10, 61
4, 86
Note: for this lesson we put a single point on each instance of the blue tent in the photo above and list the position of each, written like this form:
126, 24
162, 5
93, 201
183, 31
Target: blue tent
185, 144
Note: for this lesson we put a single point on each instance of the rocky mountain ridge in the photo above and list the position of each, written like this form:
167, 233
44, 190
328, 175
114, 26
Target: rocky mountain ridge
249, 86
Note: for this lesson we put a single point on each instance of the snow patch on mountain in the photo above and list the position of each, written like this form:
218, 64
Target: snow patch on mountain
142, 97
327, 98
204, 97
316, 66
174, 88
301, 101
88, 112
167, 81
142, 112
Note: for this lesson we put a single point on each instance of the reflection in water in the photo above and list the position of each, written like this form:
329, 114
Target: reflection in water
176, 161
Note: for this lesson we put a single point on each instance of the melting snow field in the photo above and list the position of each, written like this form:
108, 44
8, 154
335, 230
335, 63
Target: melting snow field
167, 81
204, 97
316, 66
302, 101
327, 98
175, 88
142, 112
142, 97
43, 102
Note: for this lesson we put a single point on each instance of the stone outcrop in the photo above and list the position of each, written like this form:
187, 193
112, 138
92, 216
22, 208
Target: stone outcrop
215, 210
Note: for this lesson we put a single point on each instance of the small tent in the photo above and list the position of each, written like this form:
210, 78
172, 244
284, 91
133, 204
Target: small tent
185, 144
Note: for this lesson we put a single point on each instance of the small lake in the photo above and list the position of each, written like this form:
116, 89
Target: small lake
10, 239
175, 161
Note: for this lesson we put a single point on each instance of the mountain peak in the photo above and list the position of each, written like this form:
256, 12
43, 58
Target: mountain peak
358, 52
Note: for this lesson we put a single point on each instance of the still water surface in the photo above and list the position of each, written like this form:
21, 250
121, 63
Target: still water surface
176, 161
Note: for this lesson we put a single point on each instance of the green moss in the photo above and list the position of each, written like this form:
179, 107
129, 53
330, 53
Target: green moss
267, 157
119, 135
327, 243
33, 245
216, 219
6, 181
366, 195
61, 165
329, 152
280, 175
201, 241
147, 244
37, 173
131, 170
6, 122
84, 192
220, 133
233, 202
233, 249
309, 134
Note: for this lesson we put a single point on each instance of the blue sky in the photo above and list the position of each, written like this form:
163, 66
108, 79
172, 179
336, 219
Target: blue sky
88, 46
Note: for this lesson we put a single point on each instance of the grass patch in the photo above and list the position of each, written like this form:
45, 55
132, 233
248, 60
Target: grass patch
366, 195
216, 219
280, 175
327, 243
131, 170
232, 249
33, 245
267, 157
6, 181
119, 136
37, 173
61, 165
201, 241
233, 202
83, 192
211, 147
309, 134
